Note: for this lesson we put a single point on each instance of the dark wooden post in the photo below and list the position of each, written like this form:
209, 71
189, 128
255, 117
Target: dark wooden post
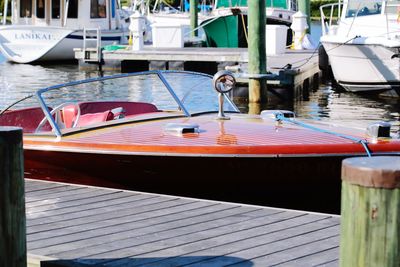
12, 199
370, 222
257, 51
193, 16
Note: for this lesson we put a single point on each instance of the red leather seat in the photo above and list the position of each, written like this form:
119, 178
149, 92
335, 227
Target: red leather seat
92, 118
27, 118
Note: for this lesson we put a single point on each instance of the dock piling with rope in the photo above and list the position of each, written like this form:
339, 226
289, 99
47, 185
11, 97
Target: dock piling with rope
290, 76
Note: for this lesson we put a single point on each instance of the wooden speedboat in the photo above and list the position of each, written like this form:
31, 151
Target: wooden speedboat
171, 132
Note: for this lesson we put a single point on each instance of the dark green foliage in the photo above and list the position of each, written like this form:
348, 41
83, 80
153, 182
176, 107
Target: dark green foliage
315, 4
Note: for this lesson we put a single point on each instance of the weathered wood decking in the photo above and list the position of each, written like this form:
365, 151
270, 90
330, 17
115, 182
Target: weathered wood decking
70, 225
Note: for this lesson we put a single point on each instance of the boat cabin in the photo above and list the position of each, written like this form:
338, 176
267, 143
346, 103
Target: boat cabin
75, 14
361, 18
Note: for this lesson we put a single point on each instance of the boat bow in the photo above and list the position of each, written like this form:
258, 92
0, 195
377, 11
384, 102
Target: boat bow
25, 44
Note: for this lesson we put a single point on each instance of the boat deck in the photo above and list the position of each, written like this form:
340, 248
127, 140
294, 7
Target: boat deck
72, 225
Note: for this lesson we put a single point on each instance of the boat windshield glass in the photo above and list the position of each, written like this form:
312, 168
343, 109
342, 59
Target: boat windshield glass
183, 93
363, 8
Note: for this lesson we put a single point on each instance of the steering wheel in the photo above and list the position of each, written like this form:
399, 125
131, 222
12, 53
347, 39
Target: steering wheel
58, 117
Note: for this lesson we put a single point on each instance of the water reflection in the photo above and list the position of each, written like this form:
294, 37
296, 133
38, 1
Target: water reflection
349, 109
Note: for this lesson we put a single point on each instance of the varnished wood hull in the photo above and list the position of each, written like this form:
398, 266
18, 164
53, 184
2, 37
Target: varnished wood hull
307, 183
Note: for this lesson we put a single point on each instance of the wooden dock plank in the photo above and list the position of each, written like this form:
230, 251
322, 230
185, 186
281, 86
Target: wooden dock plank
116, 232
327, 257
234, 242
92, 226
57, 194
264, 255
186, 235
40, 189
80, 200
90, 209
81, 228
135, 213
149, 232
318, 243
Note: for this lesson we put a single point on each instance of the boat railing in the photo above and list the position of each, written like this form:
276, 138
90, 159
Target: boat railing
335, 10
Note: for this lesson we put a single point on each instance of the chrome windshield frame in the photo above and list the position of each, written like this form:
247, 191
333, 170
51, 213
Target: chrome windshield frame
159, 73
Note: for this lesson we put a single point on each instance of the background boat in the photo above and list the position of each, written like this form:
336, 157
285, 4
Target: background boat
227, 25
366, 39
41, 32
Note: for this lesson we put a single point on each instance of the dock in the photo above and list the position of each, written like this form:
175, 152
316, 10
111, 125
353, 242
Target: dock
77, 225
297, 71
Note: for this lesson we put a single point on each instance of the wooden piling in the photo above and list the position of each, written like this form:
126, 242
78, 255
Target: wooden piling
370, 212
12, 199
193, 16
257, 51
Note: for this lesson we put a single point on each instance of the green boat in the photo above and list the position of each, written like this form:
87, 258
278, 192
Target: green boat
228, 25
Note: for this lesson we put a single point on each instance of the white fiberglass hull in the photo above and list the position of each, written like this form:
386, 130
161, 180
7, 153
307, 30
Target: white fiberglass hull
360, 67
26, 44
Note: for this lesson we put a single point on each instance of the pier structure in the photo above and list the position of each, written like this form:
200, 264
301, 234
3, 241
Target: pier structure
76, 225
290, 76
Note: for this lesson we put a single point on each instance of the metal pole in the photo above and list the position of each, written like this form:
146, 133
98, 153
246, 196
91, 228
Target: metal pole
304, 7
257, 53
193, 16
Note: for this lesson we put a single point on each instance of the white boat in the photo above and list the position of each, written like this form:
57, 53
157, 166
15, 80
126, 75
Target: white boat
218, 20
49, 30
227, 27
161, 13
363, 44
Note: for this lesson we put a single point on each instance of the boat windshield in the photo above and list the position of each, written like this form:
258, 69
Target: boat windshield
357, 8
180, 92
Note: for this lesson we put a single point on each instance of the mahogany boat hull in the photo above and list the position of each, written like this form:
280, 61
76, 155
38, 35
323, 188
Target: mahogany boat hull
306, 183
